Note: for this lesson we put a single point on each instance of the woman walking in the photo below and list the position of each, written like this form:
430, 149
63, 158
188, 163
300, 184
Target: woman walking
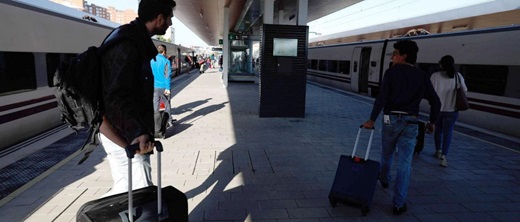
445, 83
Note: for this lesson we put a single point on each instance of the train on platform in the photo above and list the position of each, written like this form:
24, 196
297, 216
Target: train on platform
487, 58
34, 39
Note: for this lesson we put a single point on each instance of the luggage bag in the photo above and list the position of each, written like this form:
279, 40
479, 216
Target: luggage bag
146, 204
356, 179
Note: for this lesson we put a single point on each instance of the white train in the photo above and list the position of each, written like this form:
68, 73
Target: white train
489, 60
33, 40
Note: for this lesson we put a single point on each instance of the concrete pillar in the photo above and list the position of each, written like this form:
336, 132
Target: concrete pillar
268, 11
303, 6
225, 48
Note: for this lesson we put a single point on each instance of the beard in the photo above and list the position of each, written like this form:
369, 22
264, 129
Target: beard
162, 29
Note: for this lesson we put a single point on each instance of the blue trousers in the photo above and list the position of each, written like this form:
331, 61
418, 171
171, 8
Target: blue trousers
398, 138
444, 130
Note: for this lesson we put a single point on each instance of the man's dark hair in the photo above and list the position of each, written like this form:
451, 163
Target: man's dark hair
161, 48
409, 48
150, 9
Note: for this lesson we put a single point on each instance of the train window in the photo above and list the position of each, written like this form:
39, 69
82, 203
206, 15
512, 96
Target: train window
17, 72
488, 79
344, 67
332, 66
53, 60
314, 64
322, 65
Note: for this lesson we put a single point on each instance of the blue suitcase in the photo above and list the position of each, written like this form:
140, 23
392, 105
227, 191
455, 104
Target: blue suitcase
356, 179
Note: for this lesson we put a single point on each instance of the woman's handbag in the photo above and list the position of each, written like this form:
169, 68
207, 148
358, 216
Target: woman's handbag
461, 102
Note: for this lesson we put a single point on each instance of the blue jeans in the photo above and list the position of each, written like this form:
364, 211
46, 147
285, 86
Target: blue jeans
400, 136
444, 130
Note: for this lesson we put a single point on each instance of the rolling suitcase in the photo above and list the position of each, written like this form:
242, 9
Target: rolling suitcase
356, 179
146, 204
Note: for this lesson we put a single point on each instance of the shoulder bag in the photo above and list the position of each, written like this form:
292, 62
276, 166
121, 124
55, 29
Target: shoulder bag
461, 102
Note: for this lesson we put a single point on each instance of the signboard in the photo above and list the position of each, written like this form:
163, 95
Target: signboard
285, 47
221, 41
233, 36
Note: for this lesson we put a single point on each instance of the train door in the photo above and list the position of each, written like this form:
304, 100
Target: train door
360, 69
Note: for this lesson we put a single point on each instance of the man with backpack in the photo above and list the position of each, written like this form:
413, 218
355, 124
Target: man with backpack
127, 92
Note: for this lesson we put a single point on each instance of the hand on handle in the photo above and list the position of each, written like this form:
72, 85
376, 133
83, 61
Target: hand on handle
131, 150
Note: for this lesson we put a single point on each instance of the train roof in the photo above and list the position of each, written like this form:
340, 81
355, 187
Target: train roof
48, 7
436, 35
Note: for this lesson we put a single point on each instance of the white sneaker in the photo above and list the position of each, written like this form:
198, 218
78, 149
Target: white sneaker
444, 162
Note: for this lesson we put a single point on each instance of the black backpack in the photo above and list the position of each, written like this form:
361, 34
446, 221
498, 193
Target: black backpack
79, 93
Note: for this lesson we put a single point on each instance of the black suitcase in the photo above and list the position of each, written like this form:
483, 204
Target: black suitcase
142, 203
356, 179
419, 146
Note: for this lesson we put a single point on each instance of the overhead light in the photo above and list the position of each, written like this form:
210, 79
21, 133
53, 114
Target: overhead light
201, 15
207, 27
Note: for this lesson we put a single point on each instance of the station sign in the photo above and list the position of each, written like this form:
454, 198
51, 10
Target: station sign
232, 36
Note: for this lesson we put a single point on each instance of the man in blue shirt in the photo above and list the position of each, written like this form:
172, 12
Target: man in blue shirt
402, 89
162, 73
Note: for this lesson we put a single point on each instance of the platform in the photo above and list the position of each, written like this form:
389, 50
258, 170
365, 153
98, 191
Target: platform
235, 166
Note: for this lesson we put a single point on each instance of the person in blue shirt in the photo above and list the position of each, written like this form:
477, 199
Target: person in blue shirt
162, 73
402, 89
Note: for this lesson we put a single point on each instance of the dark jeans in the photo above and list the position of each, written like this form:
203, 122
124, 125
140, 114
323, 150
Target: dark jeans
444, 130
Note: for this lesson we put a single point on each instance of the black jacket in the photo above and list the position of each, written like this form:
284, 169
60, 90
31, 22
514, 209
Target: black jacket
128, 81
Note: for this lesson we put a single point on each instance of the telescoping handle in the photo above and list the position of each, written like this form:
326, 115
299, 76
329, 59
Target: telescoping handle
369, 141
130, 153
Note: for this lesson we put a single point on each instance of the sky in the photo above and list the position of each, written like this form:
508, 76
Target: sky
183, 35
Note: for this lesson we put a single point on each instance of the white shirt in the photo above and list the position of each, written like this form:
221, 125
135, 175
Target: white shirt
445, 88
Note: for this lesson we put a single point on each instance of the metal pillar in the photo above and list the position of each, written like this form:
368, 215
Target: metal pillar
303, 6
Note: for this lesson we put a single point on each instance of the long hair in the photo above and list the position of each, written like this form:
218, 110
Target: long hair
448, 65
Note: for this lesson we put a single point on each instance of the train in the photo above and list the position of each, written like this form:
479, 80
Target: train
487, 58
36, 36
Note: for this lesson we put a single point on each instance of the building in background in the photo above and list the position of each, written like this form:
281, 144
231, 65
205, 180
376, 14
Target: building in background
110, 13
121, 16
96, 10
172, 34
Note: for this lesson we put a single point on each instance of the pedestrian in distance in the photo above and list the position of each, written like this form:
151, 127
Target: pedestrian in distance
445, 83
402, 89
162, 74
128, 87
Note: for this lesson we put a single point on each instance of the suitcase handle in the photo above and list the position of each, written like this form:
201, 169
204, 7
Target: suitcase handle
369, 141
130, 153
130, 150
